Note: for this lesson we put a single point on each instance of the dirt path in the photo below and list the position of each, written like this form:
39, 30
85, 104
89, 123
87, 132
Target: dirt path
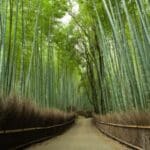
82, 136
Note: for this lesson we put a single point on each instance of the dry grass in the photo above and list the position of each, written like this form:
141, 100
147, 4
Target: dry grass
18, 114
87, 114
127, 118
129, 135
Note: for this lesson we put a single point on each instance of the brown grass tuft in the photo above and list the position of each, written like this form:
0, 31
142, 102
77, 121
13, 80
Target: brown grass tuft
18, 113
131, 135
127, 118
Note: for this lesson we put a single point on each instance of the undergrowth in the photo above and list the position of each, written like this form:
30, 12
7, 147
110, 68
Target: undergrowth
126, 118
19, 114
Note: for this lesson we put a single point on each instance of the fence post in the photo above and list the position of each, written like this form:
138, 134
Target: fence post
146, 141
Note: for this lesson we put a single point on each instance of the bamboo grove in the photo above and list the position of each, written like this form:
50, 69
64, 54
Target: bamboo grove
117, 53
34, 59
100, 60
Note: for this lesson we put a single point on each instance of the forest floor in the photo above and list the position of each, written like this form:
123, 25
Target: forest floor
82, 136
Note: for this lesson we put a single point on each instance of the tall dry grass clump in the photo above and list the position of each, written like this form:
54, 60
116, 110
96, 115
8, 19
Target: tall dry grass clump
130, 134
126, 118
19, 114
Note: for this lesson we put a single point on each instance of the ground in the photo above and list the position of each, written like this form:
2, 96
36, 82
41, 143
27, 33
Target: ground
82, 136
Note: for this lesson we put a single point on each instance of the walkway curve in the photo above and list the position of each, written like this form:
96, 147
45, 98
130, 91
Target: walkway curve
82, 136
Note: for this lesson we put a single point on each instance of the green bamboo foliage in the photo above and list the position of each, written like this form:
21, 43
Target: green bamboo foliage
31, 62
100, 59
115, 43
125, 51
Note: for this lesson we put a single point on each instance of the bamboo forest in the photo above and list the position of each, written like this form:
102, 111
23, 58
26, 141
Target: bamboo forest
77, 67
